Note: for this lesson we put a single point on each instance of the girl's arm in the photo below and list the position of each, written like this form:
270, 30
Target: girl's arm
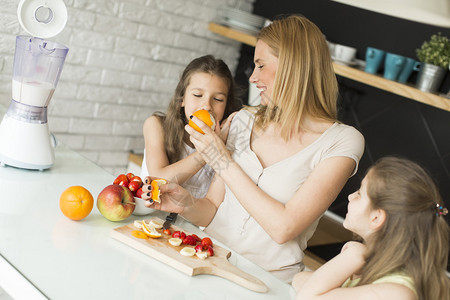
282, 222
157, 161
326, 282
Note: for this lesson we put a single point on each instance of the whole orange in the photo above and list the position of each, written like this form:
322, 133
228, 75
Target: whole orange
76, 202
206, 117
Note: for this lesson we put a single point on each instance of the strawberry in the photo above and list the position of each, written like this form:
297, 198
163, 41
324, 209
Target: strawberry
189, 240
182, 235
130, 176
206, 242
197, 238
167, 231
210, 251
176, 234
121, 177
198, 248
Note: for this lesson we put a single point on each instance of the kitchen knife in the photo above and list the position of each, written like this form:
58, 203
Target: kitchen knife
169, 220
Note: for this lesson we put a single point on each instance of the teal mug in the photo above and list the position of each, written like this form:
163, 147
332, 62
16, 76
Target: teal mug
393, 64
410, 66
374, 59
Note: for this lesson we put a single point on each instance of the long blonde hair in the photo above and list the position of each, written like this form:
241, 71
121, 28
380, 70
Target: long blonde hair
414, 238
175, 119
305, 82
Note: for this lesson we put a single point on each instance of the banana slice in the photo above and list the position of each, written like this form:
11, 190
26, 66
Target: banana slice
175, 241
202, 254
187, 251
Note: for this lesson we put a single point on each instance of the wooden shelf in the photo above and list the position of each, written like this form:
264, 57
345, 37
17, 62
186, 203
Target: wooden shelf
377, 81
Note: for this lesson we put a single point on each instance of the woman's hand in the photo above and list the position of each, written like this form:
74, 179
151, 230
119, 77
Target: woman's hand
210, 145
174, 198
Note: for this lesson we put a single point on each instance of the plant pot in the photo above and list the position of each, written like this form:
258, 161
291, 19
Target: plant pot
430, 78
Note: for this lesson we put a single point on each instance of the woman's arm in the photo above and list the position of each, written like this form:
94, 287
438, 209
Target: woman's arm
157, 161
283, 222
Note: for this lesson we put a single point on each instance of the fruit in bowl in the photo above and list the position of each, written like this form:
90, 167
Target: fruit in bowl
134, 184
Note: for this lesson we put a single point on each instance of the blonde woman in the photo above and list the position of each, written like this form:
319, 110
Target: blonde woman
285, 163
399, 214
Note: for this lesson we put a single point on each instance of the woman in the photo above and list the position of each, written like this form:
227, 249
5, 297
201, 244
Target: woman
399, 214
286, 162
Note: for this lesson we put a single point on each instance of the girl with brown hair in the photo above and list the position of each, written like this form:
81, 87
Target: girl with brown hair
399, 215
206, 83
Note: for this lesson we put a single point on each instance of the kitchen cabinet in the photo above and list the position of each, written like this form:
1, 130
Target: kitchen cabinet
404, 90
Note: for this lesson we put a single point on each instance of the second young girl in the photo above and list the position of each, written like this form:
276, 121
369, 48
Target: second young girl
206, 83
399, 214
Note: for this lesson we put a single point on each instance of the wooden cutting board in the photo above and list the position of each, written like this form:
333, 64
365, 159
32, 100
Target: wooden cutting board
161, 250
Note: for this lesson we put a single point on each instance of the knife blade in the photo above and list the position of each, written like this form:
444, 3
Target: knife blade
170, 219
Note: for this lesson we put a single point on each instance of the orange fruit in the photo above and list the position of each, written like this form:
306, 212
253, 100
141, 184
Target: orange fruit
76, 202
150, 230
155, 189
206, 117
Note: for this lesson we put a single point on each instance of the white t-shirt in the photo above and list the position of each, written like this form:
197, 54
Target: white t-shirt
236, 228
198, 184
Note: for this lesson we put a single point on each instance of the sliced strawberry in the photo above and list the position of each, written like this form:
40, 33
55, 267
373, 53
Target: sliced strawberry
210, 251
189, 240
198, 248
206, 242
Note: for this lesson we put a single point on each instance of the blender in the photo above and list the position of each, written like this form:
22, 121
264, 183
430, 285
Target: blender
25, 139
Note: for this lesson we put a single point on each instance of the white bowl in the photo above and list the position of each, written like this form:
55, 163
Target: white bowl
141, 209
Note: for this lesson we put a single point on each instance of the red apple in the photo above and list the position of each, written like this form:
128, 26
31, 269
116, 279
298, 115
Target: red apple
116, 202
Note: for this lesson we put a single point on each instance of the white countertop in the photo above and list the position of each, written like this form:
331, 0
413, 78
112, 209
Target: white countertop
65, 259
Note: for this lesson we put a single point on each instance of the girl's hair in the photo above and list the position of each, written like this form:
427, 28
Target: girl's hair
414, 238
305, 82
175, 119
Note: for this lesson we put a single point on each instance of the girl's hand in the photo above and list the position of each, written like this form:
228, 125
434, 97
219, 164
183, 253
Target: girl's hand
225, 127
210, 146
174, 198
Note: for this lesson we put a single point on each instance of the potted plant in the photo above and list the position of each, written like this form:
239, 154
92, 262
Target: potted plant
435, 57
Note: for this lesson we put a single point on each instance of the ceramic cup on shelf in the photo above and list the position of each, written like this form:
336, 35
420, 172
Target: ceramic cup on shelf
410, 66
344, 53
374, 59
393, 64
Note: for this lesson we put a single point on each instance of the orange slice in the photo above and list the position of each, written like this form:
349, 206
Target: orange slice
150, 230
139, 234
206, 117
155, 189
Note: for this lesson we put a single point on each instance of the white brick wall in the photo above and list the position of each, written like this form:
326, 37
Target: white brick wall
124, 61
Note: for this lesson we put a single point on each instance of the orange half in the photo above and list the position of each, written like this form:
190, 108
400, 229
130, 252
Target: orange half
155, 189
